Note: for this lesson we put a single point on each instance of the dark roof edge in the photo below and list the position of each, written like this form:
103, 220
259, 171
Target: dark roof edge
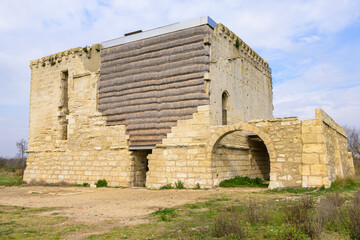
160, 30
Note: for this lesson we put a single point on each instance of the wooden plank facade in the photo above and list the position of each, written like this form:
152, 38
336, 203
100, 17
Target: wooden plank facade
149, 84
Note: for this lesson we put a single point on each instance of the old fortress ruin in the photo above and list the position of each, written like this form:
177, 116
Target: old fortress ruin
186, 102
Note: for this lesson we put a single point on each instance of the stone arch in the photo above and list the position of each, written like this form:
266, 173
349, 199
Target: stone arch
219, 132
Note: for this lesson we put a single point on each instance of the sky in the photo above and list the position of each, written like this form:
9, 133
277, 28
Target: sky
312, 47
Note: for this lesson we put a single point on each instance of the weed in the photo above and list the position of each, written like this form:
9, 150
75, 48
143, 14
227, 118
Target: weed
350, 218
165, 214
43, 64
255, 213
8, 179
101, 183
179, 185
228, 225
341, 184
167, 186
327, 210
85, 49
299, 214
237, 43
85, 184
197, 186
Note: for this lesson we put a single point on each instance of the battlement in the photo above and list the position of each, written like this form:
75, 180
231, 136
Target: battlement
55, 58
246, 51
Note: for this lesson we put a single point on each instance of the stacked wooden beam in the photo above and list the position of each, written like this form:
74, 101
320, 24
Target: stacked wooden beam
149, 84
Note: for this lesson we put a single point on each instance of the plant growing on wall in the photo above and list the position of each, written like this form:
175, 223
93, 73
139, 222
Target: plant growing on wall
237, 43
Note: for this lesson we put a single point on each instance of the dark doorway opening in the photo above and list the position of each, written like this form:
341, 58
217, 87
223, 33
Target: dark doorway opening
140, 166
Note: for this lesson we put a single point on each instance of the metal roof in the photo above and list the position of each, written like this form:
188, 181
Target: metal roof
159, 31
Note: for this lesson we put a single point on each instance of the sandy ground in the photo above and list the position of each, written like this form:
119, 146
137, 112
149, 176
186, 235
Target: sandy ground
94, 205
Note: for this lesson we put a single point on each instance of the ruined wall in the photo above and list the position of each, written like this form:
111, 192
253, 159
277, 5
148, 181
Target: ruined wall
325, 154
182, 155
240, 71
69, 140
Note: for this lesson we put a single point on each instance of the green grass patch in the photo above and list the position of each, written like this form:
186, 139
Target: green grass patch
293, 190
344, 184
7, 179
243, 182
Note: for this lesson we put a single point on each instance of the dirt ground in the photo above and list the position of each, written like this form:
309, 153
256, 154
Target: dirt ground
93, 205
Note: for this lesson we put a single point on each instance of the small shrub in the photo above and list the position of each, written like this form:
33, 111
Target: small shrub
347, 184
328, 209
101, 183
228, 225
85, 49
165, 214
167, 186
255, 213
85, 184
197, 187
179, 185
299, 214
351, 217
19, 173
237, 43
242, 182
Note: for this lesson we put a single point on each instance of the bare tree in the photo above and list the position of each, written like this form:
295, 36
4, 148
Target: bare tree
22, 147
353, 135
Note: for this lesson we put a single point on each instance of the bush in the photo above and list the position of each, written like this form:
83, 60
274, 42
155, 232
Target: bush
165, 214
179, 185
167, 186
328, 209
242, 182
255, 213
85, 184
101, 183
299, 214
347, 184
228, 225
351, 217
197, 187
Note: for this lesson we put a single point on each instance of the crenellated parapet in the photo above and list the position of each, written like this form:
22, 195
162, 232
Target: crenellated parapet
57, 58
242, 47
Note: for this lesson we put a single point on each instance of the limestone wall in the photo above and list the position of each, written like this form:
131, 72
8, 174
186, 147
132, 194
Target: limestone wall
182, 155
69, 140
243, 74
325, 154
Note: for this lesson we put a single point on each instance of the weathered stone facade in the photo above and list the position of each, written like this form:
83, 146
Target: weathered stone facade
192, 104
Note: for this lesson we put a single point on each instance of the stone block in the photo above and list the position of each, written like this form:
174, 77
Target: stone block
314, 181
314, 148
310, 158
306, 170
318, 169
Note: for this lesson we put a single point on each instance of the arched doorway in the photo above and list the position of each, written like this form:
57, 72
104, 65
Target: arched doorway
240, 150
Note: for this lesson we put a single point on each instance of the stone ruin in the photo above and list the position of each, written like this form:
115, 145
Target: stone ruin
186, 102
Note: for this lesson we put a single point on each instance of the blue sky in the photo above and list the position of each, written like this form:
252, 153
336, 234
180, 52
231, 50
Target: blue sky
313, 47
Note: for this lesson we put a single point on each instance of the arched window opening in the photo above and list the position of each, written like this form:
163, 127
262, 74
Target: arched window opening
225, 107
